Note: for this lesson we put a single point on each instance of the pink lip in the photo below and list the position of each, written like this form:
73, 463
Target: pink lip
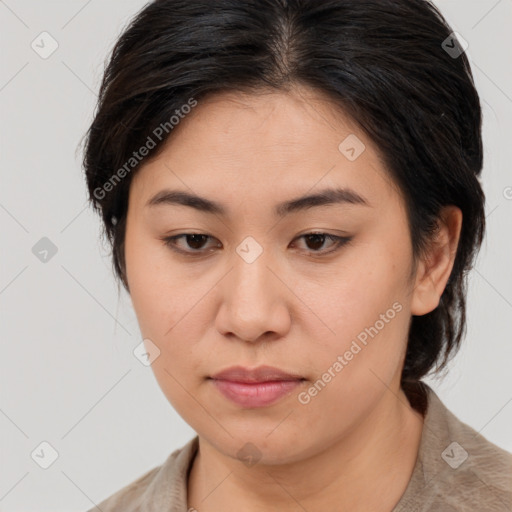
258, 387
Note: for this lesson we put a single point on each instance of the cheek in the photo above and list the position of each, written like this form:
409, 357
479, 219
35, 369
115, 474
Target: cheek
355, 370
356, 292
365, 317
169, 307
154, 284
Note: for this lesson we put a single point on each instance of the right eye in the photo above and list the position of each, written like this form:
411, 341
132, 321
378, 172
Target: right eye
195, 241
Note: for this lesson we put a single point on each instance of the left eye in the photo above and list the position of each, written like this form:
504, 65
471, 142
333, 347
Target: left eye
196, 242
316, 241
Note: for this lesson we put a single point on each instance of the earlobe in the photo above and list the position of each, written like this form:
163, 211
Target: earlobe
435, 267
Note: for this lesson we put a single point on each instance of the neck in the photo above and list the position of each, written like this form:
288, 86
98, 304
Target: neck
366, 469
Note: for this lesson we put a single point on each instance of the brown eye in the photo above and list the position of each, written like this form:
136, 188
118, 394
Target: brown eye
194, 243
315, 242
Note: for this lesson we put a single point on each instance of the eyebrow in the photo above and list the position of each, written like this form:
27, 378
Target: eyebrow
328, 196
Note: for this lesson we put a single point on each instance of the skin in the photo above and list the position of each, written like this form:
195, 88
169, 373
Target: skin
354, 445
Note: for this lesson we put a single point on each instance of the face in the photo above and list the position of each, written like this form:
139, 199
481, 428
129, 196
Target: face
320, 289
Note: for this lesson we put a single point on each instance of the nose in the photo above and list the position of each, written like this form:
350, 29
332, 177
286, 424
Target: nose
254, 301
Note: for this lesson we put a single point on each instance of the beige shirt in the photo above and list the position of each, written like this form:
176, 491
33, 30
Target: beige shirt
456, 470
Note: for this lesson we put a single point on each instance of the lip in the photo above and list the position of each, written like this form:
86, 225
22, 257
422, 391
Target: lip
258, 387
255, 375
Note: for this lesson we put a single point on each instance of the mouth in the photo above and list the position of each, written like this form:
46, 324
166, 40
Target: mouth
258, 387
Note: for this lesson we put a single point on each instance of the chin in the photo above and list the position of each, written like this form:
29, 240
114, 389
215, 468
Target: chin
253, 445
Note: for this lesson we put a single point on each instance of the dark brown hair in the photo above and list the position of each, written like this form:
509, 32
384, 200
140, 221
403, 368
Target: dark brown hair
393, 66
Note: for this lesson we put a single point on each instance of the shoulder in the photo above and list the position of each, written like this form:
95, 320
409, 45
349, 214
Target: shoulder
480, 470
159, 489
458, 469
130, 497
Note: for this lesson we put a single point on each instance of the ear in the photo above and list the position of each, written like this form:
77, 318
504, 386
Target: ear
435, 267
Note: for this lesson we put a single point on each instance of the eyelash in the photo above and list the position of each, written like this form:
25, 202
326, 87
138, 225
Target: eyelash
340, 241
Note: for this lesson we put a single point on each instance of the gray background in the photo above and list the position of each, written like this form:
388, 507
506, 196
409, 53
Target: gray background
68, 375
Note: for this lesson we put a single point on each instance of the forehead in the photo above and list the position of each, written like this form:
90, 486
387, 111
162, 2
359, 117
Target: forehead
300, 118
249, 147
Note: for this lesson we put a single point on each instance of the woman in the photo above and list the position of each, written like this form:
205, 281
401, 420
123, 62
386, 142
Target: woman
291, 190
